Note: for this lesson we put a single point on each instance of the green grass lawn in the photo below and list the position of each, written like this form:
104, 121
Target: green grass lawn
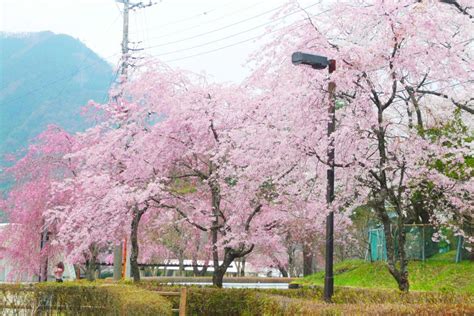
439, 273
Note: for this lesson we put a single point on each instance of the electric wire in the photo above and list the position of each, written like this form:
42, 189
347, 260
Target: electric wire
180, 31
68, 76
77, 68
239, 42
216, 30
203, 13
232, 35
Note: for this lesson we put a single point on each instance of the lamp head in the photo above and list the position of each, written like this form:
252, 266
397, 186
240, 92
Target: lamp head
315, 61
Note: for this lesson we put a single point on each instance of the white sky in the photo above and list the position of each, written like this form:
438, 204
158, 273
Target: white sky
186, 23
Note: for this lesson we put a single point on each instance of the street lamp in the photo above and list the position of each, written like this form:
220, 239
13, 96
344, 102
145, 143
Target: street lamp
322, 62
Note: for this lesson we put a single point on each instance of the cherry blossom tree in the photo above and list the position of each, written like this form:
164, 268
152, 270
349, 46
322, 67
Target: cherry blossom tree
246, 164
394, 59
32, 177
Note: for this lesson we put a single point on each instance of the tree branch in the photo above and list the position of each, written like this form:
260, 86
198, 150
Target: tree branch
251, 216
458, 6
464, 107
179, 212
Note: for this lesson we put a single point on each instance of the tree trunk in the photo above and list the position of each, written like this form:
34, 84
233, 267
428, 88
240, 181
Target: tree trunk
394, 256
283, 271
307, 260
98, 271
219, 272
215, 257
230, 255
383, 194
237, 266
291, 260
91, 263
181, 263
218, 276
196, 270
77, 271
43, 274
242, 267
370, 250
91, 268
135, 271
403, 283
216, 200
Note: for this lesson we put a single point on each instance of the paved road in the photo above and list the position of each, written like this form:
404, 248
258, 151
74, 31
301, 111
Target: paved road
240, 285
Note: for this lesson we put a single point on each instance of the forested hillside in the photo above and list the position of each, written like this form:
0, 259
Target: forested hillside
46, 78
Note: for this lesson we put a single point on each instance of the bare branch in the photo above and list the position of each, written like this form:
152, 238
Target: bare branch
251, 216
458, 7
464, 106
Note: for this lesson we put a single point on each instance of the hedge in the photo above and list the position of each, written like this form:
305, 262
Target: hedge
278, 305
308, 301
211, 301
142, 299
80, 299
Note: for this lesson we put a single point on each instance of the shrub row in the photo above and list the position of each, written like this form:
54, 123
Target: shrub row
211, 301
80, 299
351, 295
308, 301
126, 299
278, 305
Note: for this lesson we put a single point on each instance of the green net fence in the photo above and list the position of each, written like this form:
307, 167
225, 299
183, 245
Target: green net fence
418, 244
377, 247
462, 252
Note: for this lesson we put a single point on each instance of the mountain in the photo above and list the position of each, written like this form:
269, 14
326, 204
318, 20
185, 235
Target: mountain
46, 78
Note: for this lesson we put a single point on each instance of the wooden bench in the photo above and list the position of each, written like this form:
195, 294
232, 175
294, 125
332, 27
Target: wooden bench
182, 300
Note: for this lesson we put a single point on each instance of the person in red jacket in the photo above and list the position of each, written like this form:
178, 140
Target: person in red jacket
58, 272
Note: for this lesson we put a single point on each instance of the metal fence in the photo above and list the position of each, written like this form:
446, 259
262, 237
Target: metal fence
418, 243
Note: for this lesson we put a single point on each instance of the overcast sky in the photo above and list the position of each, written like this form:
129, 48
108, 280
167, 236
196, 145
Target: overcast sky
173, 30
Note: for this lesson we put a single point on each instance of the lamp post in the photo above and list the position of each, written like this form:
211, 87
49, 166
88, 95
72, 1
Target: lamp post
322, 62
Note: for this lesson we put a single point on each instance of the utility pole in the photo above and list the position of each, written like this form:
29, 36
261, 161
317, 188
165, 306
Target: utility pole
124, 67
118, 249
119, 259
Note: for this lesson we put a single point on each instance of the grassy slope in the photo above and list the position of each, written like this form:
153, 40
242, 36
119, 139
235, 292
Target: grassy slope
439, 273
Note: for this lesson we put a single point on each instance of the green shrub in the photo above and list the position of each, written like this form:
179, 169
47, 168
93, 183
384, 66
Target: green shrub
130, 300
308, 301
81, 299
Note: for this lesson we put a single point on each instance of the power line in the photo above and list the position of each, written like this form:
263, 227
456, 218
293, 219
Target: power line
235, 34
216, 30
89, 54
68, 76
221, 48
207, 22
231, 45
204, 13
235, 44
113, 78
